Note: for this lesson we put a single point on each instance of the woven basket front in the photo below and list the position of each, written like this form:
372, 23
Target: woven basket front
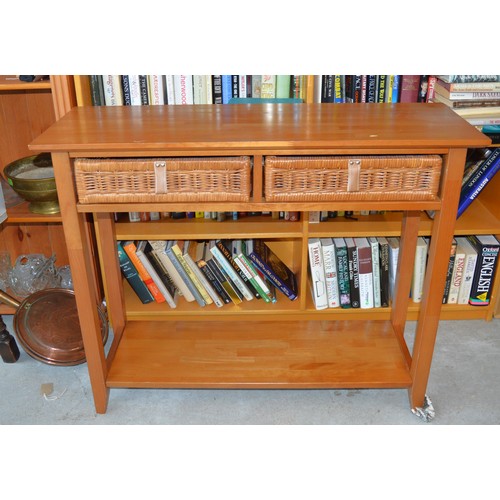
186, 179
360, 178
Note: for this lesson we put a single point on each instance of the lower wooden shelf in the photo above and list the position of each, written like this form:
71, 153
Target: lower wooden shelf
259, 354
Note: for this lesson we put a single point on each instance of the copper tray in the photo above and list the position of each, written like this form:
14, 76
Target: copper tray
47, 327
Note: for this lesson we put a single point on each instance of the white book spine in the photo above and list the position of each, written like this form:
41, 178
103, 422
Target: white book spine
199, 92
318, 280
456, 277
113, 95
468, 276
417, 286
331, 276
183, 89
156, 90
376, 271
169, 84
209, 89
135, 90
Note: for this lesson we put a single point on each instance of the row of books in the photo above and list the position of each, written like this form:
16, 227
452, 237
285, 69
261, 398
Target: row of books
209, 272
123, 90
217, 216
119, 90
361, 272
476, 98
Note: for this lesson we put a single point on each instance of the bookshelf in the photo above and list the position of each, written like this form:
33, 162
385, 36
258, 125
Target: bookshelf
26, 110
255, 345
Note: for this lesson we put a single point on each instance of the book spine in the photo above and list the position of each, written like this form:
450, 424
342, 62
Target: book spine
364, 255
132, 276
130, 250
127, 99
252, 276
478, 181
212, 296
384, 274
376, 271
226, 284
113, 95
267, 270
468, 277
217, 89
210, 276
352, 259
331, 276
170, 288
456, 277
227, 92
419, 272
96, 90
143, 85
343, 273
222, 258
449, 272
186, 273
318, 280
487, 257
135, 90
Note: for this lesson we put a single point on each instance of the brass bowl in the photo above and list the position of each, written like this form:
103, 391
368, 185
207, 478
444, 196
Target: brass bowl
33, 179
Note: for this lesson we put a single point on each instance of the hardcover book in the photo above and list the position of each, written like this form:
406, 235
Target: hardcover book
449, 271
469, 268
487, 247
318, 280
376, 270
365, 272
132, 276
353, 263
456, 275
417, 282
275, 270
384, 271
393, 264
331, 275
343, 272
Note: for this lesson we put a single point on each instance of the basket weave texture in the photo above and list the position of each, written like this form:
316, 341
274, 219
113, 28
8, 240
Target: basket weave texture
361, 178
139, 180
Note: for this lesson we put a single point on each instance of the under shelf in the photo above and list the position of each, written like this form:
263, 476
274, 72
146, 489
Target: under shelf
12, 82
242, 354
20, 214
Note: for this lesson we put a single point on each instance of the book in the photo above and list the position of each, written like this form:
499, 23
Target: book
230, 288
393, 264
449, 271
132, 276
216, 284
268, 86
478, 181
365, 272
468, 78
343, 272
224, 258
318, 280
183, 89
135, 90
383, 247
275, 270
144, 252
410, 85
331, 275
456, 274
353, 265
175, 250
487, 247
157, 90
113, 94
96, 90
376, 270
417, 281
469, 268
192, 257
159, 248
131, 250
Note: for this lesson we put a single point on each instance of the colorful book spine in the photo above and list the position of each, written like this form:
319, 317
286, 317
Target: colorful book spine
488, 248
353, 263
275, 270
132, 276
365, 272
343, 272
131, 249
478, 181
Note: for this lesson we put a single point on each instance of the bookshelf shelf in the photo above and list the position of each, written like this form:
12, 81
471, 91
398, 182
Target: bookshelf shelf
290, 343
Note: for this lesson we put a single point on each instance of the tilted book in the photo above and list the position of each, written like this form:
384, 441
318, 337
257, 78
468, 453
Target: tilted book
478, 181
144, 253
132, 276
318, 280
275, 270
487, 247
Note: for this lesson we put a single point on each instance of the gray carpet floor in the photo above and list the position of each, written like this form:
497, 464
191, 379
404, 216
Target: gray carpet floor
463, 388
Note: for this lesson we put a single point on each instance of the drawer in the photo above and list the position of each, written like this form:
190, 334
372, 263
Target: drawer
357, 178
141, 180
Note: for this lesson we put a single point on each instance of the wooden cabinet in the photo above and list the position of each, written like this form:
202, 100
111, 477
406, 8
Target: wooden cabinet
257, 345
26, 110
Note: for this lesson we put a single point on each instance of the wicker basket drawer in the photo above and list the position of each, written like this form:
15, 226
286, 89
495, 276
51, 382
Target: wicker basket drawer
141, 180
360, 178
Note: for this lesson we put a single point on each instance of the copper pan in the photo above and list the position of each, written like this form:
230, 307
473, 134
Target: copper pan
47, 326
